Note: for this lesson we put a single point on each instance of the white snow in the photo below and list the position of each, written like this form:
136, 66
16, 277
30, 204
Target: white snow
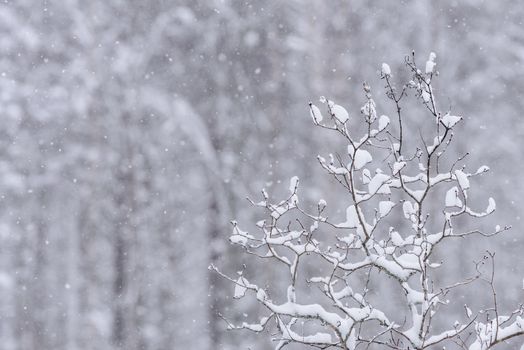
462, 179
238, 236
430, 63
426, 96
491, 206
238, 239
429, 67
385, 207
318, 338
293, 184
351, 218
386, 70
482, 169
253, 327
396, 239
337, 171
340, 113
383, 122
468, 311
351, 343
315, 113
366, 176
261, 295
278, 211
369, 110
240, 287
409, 261
485, 332
379, 184
408, 209
452, 198
282, 239
397, 166
291, 295
450, 120
362, 157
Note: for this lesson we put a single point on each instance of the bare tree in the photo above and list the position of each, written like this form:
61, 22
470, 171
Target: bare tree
372, 243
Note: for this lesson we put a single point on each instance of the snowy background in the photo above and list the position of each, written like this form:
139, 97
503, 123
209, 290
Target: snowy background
132, 132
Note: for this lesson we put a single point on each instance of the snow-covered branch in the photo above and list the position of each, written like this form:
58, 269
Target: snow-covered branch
390, 228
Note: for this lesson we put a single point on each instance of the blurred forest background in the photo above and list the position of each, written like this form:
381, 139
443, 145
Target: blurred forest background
133, 130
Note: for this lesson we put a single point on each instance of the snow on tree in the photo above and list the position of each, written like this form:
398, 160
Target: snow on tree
389, 232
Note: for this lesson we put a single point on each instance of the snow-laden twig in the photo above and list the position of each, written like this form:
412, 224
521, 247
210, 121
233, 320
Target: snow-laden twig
389, 229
